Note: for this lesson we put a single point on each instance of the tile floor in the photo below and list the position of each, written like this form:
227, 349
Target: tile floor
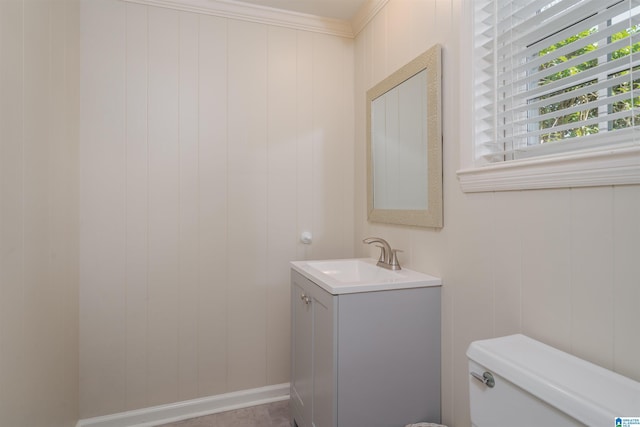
270, 415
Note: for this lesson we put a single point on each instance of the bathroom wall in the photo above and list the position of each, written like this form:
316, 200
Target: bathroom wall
207, 145
39, 75
558, 265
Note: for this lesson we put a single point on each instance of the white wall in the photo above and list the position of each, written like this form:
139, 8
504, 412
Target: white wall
39, 69
195, 133
207, 145
558, 265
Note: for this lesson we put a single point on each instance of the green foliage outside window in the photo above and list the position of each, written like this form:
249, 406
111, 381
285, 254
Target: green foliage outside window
584, 98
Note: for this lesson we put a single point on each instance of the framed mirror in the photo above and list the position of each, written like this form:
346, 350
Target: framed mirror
404, 145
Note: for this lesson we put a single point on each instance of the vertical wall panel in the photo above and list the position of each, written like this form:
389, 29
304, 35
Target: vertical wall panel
164, 205
137, 199
379, 48
626, 276
360, 153
59, 388
546, 268
281, 201
213, 195
247, 198
102, 211
12, 336
346, 126
327, 177
403, 36
333, 175
305, 134
189, 208
592, 266
38, 213
507, 233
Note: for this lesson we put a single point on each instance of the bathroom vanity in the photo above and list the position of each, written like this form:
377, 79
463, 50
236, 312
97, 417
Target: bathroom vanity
365, 345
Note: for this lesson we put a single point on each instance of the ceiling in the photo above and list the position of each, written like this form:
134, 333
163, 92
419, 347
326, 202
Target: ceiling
336, 9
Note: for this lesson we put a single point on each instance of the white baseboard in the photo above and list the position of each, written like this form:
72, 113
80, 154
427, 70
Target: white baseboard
157, 415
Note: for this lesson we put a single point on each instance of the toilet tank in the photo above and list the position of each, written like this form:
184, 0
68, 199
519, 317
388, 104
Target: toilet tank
538, 385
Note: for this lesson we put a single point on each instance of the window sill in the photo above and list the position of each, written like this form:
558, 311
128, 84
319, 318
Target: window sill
617, 166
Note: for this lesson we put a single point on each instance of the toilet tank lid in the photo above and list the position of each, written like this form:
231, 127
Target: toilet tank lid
589, 393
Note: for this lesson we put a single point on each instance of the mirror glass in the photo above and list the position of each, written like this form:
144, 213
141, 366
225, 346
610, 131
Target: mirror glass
404, 145
398, 148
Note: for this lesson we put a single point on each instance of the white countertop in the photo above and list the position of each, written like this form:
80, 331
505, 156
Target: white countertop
346, 276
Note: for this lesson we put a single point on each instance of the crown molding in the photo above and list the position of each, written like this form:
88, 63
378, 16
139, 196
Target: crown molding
366, 14
258, 14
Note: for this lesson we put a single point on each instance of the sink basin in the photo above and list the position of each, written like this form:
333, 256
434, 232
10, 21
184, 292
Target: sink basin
343, 276
353, 270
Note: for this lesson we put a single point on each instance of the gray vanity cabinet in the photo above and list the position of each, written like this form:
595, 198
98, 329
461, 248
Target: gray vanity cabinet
364, 359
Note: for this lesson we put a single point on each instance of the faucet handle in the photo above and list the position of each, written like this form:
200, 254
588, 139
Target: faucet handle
394, 263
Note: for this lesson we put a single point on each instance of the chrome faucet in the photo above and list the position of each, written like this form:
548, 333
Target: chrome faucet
388, 257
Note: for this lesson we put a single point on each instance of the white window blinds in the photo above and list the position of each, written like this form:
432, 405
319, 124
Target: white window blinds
555, 76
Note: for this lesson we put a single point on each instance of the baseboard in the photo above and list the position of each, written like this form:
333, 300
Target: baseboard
157, 415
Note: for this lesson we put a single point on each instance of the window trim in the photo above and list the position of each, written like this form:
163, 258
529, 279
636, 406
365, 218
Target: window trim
584, 169
603, 166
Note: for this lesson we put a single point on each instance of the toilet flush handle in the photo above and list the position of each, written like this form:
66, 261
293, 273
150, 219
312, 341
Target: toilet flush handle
486, 378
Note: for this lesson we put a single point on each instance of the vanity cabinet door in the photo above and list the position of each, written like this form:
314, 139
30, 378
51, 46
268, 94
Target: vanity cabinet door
313, 355
324, 358
301, 354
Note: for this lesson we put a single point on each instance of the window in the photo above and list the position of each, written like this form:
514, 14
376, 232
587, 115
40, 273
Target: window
556, 88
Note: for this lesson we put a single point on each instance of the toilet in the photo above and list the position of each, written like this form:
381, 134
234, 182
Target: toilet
518, 381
